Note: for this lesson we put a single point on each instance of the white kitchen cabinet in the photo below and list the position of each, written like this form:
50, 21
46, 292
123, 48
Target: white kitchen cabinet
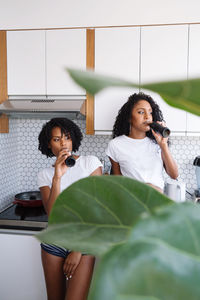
164, 53
37, 60
21, 273
26, 62
65, 48
193, 122
117, 53
107, 104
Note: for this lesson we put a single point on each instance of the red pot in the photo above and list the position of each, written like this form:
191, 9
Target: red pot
31, 199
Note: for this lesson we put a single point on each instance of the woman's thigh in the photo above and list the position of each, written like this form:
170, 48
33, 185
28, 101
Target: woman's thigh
54, 276
79, 284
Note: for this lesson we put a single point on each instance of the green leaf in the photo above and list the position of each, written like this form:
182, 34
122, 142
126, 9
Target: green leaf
183, 94
161, 258
127, 297
94, 83
148, 269
86, 238
97, 212
179, 226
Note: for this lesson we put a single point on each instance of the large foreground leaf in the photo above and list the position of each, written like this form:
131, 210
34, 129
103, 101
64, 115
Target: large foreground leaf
127, 297
183, 94
87, 238
179, 226
97, 212
161, 259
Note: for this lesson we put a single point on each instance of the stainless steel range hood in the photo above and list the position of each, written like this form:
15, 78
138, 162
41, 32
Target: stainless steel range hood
44, 106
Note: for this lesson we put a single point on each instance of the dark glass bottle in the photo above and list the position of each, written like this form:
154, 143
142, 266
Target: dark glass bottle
70, 161
164, 131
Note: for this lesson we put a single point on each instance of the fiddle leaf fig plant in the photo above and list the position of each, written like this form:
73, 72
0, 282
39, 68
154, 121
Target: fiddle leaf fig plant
183, 94
98, 212
160, 260
149, 246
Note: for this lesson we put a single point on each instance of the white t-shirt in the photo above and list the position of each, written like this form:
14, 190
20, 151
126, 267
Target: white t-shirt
85, 165
138, 158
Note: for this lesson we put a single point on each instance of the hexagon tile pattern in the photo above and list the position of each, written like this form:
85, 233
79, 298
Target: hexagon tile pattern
20, 159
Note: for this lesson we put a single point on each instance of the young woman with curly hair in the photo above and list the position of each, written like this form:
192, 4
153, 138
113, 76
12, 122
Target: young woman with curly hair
67, 273
136, 150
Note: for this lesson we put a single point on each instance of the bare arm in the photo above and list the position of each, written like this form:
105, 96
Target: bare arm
169, 163
49, 195
115, 167
97, 172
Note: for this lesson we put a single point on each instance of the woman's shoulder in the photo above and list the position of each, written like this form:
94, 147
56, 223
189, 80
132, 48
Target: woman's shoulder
89, 162
115, 146
44, 177
117, 140
46, 171
88, 158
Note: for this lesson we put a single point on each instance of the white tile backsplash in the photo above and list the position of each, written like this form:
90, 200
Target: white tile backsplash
20, 159
8, 165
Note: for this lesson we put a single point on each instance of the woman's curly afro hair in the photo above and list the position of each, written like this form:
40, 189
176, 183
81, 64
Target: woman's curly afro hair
122, 122
67, 127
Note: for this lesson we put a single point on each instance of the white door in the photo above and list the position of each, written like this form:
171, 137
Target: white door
64, 48
193, 122
116, 54
164, 52
26, 62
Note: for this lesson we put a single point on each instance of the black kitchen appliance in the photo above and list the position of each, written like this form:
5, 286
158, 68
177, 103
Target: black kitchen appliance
24, 218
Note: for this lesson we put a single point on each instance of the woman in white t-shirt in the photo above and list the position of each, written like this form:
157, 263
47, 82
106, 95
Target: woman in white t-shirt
136, 150
67, 273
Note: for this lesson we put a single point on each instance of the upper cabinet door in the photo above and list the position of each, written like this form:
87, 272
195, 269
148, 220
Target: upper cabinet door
193, 122
65, 48
26, 62
164, 52
116, 54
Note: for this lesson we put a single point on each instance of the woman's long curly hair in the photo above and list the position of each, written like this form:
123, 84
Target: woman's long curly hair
123, 119
67, 128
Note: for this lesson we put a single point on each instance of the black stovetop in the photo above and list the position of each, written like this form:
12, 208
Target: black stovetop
17, 217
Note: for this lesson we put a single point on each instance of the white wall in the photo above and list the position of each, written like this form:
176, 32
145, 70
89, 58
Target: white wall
16, 14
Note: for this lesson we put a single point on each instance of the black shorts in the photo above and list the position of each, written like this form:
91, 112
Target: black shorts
55, 250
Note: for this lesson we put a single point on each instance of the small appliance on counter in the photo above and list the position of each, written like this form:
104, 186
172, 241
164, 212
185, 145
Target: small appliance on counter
196, 163
196, 196
175, 190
